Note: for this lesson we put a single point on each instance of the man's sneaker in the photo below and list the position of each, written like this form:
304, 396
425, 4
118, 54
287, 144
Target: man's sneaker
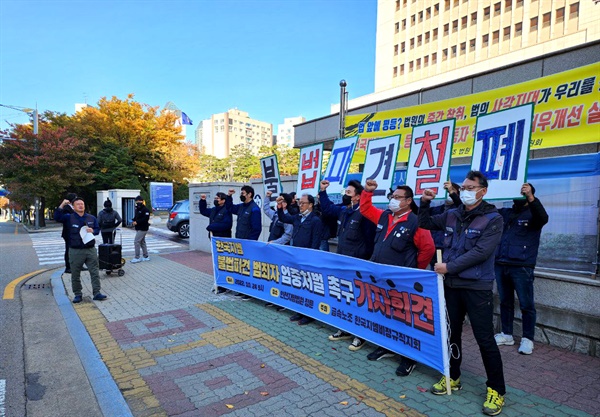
100, 297
145, 259
136, 260
379, 353
296, 317
280, 308
269, 304
526, 347
340, 335
493, 403
356, 344
77, 299
406, 367
245, 297
238, 294
439, 388
504, 339
220, 290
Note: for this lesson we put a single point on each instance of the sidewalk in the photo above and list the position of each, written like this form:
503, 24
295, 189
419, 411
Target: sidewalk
174, 348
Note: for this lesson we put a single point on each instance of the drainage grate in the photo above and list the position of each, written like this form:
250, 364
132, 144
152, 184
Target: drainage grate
35, 286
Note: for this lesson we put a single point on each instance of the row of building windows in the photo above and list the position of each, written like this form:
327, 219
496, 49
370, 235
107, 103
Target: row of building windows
560, 13
506, 32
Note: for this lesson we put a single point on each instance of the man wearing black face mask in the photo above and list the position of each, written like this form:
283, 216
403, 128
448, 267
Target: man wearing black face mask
356, 235
249, 219
515, 260
293, 208
220, 219
141, 222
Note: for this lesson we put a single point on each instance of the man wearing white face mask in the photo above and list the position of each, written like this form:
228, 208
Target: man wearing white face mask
398, 241
473, 231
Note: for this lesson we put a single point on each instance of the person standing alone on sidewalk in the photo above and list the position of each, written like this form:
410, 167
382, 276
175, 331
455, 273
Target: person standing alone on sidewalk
141, 222
81, 250
473, 231
515, 260
109, 220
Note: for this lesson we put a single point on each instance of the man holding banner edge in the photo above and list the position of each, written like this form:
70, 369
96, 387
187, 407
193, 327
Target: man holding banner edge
473, 231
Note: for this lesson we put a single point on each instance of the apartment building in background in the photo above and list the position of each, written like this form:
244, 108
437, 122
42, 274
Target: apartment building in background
218, 135
424, 43
285, 131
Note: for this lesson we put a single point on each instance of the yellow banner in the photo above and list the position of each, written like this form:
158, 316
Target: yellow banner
567, 112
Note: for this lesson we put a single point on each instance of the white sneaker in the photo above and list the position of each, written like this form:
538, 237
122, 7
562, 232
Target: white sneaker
504, 339
136, 260
146, 258
526, 347
356, 344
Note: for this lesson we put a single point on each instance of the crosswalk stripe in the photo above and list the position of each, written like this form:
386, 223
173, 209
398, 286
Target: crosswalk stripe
49, 246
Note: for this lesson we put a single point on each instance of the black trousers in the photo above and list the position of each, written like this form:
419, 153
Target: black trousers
479, 305
67, 264
108, 237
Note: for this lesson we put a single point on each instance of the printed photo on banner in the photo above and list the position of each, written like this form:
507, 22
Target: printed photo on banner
401, 309
338, 165
429, 159
380, 165
270, 174
501, 150
309, 170
567, 112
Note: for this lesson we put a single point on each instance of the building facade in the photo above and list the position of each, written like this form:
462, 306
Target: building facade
423, 43
221, 133
285, 131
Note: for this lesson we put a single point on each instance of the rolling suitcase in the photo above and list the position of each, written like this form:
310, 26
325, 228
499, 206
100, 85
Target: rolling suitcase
110, 257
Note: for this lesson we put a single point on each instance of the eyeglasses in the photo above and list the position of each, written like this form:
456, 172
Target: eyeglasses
471, 188
397, 197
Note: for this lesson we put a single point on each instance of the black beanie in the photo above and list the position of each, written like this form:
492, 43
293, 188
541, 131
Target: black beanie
107, 203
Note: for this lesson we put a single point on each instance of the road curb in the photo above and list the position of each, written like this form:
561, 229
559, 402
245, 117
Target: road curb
109, 396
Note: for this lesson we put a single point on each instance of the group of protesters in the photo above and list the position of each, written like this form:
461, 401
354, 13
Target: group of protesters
479, 243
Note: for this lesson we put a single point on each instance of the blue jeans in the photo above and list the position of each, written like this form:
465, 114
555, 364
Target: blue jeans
519, 279
324, 245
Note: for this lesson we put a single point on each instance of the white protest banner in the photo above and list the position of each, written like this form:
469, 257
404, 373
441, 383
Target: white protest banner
309, 171
270, 174
429, 158
338, 165
380, 165
501, 150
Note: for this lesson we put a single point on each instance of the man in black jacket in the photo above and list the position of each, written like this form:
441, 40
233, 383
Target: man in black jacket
220, 220
355, 234
473, 231
141, 222
307, 233
67, 209
515, 261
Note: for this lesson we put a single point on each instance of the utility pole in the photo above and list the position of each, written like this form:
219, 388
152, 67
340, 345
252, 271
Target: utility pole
343, 108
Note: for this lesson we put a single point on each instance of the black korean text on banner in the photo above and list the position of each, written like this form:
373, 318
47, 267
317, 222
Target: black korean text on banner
380, 165
501, 150
429, 159
309, 171
338, 165
270, 173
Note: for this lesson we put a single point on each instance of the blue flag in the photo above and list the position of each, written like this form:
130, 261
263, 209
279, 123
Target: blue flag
185, 120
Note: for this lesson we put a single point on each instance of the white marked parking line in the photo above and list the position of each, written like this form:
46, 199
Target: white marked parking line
2, 397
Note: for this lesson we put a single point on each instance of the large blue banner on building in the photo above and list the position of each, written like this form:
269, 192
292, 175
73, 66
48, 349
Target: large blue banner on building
401, 309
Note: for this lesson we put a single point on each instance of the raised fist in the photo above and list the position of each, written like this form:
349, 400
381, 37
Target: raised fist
324, 185
428, 195
370, 185
202, 196
231, 191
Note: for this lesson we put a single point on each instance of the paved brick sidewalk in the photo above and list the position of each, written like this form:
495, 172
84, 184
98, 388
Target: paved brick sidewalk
176, 349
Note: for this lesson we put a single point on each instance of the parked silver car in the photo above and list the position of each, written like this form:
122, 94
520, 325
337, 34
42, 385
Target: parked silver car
179, 218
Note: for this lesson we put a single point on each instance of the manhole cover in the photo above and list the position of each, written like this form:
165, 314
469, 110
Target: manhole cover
35, 286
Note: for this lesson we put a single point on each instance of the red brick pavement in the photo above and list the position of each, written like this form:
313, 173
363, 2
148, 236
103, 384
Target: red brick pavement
556, 374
